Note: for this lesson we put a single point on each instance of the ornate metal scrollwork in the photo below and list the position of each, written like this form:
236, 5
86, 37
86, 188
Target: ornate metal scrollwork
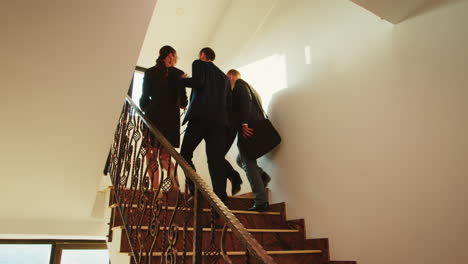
145, 182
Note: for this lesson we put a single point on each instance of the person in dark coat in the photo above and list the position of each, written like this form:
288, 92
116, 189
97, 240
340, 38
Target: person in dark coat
245, 109
207, 118
162, 98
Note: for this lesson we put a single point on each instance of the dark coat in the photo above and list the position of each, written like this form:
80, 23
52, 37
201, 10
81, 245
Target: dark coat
244, 106
211, 98
161, 100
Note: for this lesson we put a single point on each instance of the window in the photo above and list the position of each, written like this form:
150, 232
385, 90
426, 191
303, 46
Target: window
137, 86
25, 253
81, 253
89, 256
53, 252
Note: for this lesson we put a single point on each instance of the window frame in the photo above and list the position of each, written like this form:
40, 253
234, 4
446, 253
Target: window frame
58, 245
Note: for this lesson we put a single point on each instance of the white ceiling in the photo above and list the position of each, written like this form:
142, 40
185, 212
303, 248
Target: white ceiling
186, 25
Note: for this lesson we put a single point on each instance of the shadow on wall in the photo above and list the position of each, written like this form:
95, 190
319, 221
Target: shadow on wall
268, 76
290, 103
322, 119
290, 111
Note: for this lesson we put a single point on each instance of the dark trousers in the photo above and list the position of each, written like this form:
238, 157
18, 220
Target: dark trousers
215, 141
256, 176
231, 173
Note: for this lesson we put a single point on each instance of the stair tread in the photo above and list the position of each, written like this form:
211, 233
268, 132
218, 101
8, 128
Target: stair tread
285, 240
241, 253
209, 210
207, 229
247, 195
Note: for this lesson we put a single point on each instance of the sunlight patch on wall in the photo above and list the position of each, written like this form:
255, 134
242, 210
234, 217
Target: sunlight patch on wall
307, 54
267, 76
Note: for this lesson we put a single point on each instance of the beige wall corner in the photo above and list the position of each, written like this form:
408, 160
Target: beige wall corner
66, 67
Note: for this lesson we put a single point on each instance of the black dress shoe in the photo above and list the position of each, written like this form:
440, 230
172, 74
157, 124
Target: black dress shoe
259, 208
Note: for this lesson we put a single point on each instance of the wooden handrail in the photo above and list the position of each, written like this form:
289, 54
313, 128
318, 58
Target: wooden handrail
140, 69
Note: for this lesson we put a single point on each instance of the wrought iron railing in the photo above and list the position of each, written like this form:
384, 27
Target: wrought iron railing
159, 218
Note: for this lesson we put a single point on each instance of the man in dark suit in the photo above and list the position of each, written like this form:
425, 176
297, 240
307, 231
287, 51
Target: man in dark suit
246, 106
208, 119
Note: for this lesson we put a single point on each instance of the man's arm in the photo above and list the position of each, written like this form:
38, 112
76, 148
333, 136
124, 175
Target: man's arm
176, 76
245, 102
245, 106
198, 78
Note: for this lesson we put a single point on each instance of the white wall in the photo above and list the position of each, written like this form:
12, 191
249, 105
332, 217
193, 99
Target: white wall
65, 70
375, 149
185, 25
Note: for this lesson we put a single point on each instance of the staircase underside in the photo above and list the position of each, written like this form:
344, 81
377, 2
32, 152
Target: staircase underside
397, 11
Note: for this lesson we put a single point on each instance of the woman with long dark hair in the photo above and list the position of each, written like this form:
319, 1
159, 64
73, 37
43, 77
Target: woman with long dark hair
162, 98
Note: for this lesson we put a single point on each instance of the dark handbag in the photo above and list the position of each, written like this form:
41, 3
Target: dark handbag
264, 139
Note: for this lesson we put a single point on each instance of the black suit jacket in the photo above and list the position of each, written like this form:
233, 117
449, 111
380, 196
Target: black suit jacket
161, 100
244, 105
211, 98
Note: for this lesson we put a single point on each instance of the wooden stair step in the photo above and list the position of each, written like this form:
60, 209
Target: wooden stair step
235, 202
250, 219
272, 239
209, 210
341, 262
239, 257
283, 240
207, 229
242, 253
320, 244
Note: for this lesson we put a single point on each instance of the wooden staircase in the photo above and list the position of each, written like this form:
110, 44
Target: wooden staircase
167, 226
283, 240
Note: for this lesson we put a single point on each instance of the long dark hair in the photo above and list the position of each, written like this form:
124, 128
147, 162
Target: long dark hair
164, 52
